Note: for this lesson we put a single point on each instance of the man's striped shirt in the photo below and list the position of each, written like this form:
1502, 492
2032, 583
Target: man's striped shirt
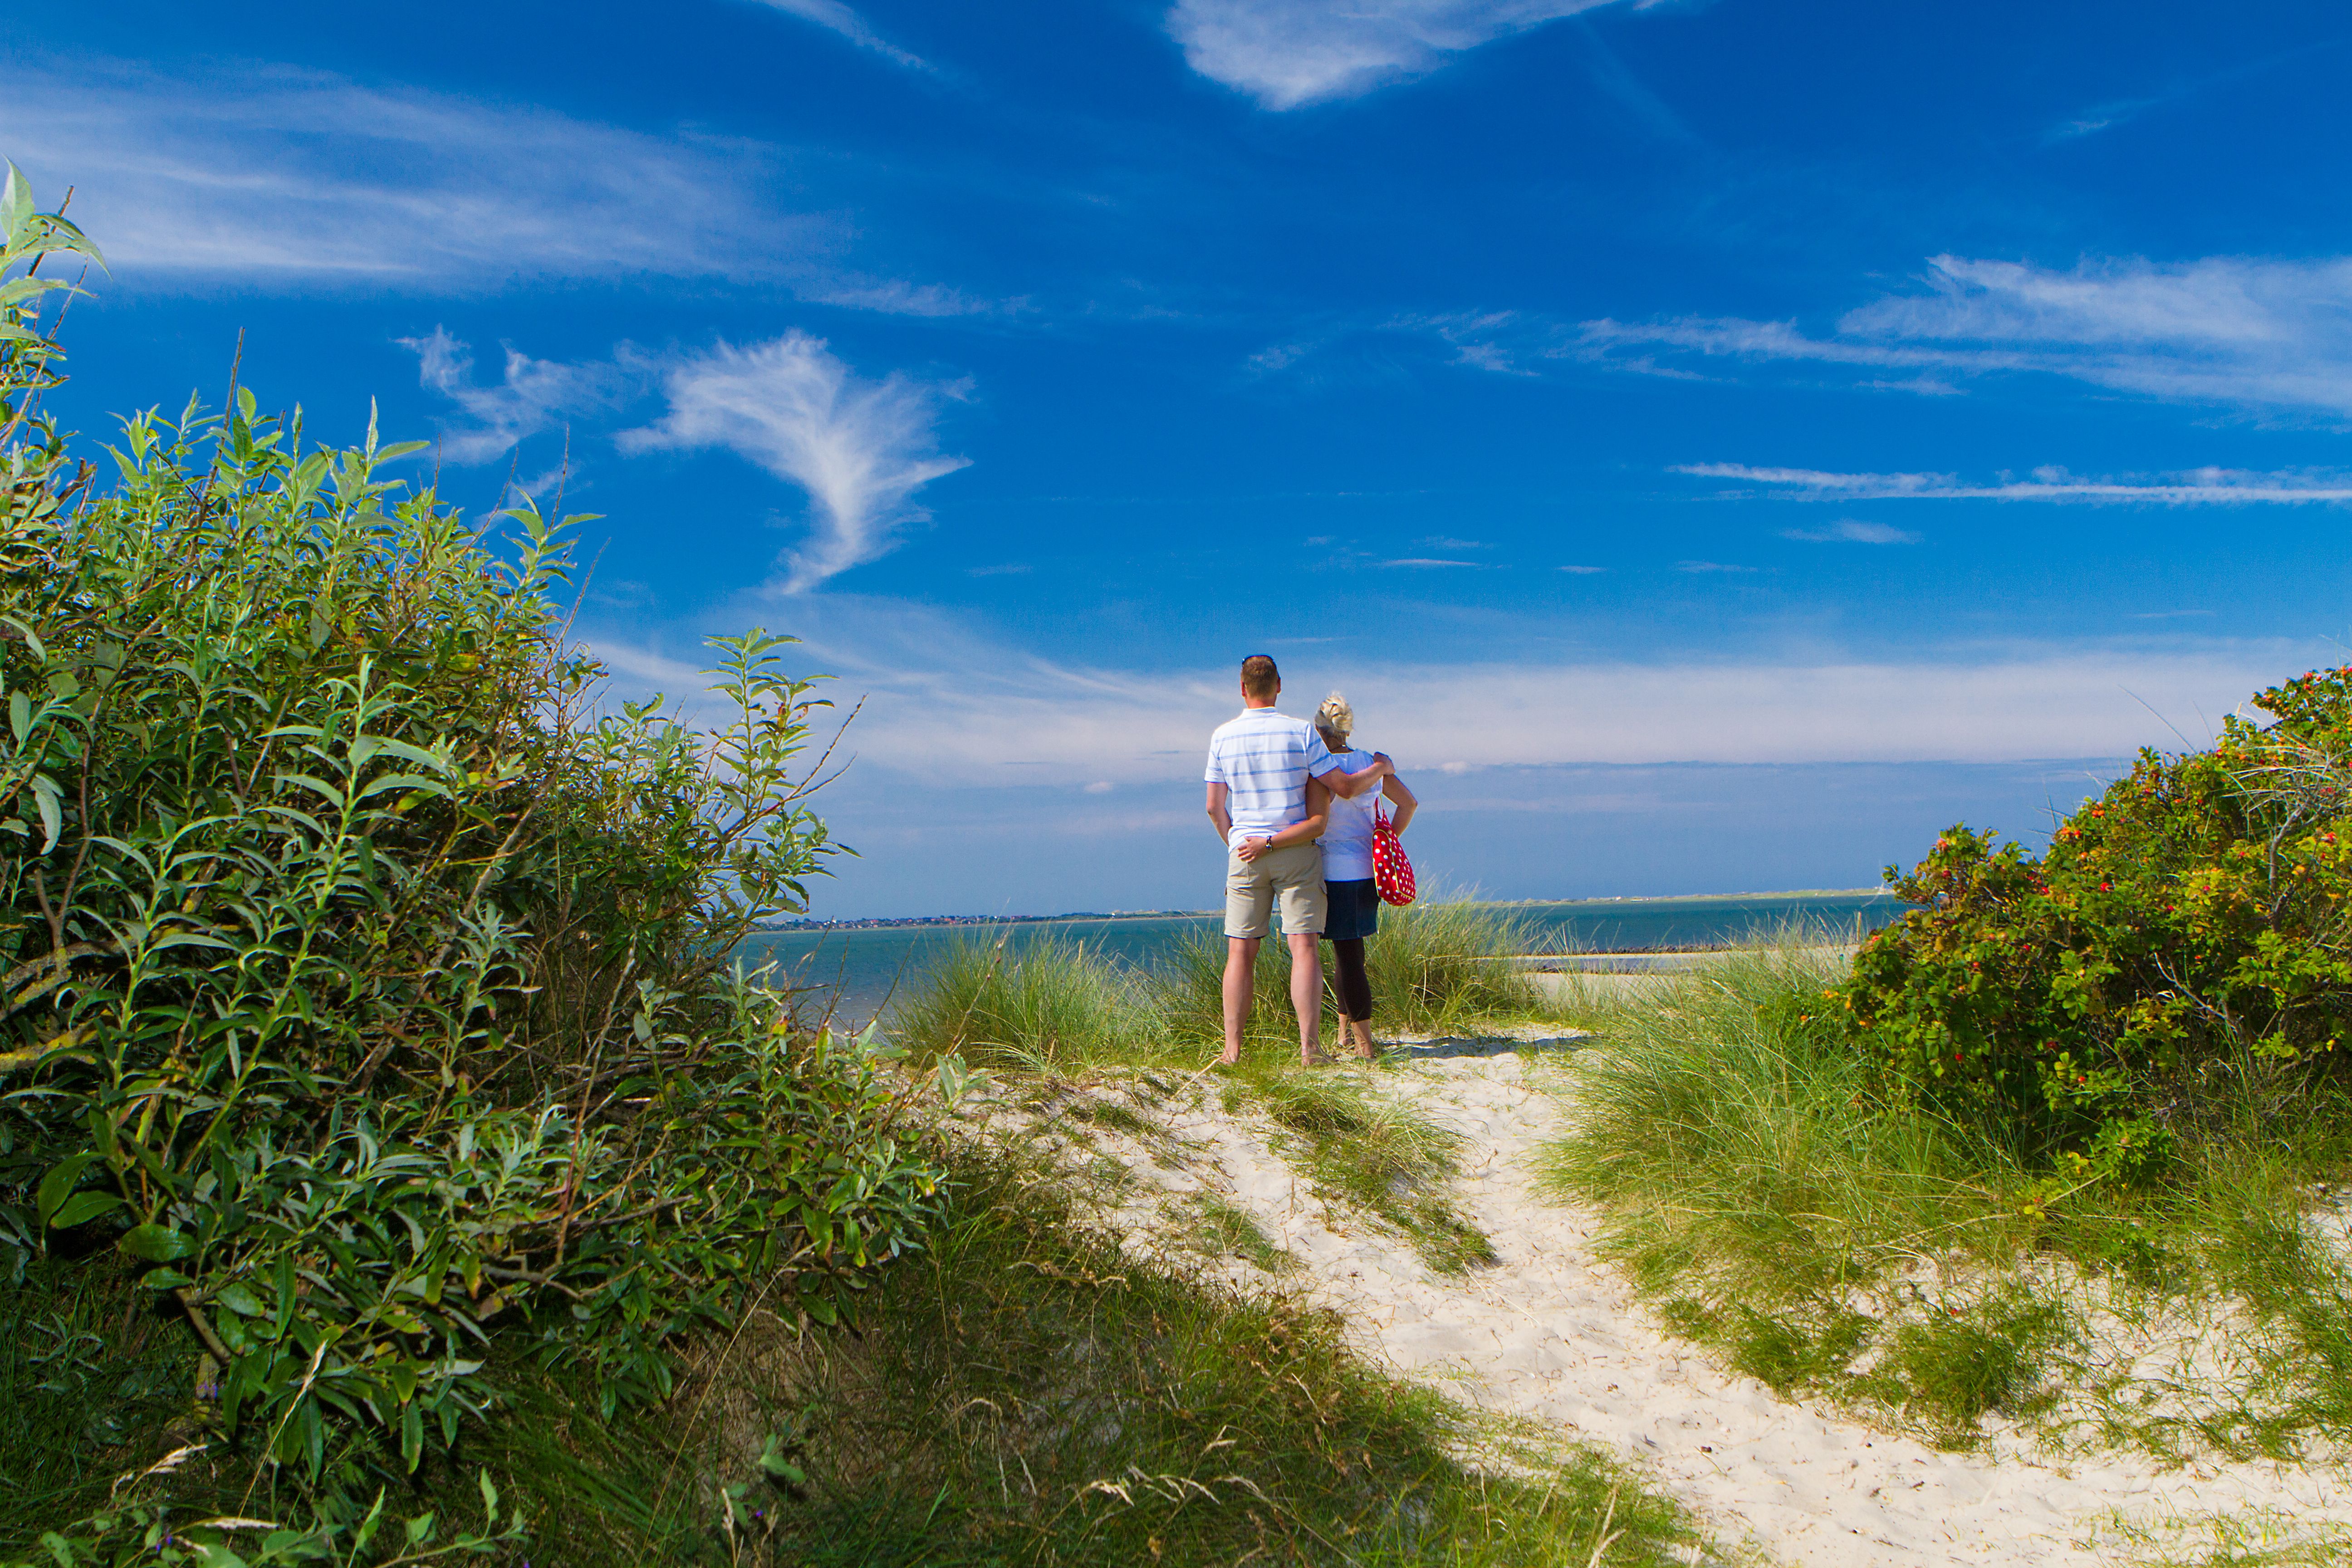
1265, 760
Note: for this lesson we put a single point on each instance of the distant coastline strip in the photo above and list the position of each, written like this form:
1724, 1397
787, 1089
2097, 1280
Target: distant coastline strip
896, 922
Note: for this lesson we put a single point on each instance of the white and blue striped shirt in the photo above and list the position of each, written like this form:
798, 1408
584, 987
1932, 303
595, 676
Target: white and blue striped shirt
1265, 760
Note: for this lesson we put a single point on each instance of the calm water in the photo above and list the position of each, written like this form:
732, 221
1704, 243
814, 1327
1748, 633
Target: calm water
863, 969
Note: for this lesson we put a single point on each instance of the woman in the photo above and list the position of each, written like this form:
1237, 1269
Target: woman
1354, 902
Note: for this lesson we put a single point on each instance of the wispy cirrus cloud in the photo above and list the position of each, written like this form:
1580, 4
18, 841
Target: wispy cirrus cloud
839, 18
1853, 530
859, 448
533, 395
2199, 486
2249, 333
1288, 53
298, 177
2097, 117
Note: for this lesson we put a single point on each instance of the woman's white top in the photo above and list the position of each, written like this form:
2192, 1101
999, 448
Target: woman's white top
1347, 842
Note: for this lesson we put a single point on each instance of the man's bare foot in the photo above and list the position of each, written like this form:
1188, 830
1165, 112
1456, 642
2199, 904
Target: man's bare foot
1313, 1059
1229, 1059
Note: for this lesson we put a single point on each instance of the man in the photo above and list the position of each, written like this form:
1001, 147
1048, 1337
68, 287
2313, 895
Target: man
1270, 782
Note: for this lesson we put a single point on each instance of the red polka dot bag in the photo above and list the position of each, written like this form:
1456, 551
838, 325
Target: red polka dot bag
1391, 872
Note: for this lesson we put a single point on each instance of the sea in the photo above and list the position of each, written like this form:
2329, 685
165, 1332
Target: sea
856, 973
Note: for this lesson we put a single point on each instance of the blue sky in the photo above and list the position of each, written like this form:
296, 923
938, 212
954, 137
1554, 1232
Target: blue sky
1714, 445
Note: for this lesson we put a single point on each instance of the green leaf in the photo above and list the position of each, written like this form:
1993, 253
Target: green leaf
82, 1207
155, 1243
240, 1301
412, 1444
58, 1184
366, 1531
16, 200
490, 1498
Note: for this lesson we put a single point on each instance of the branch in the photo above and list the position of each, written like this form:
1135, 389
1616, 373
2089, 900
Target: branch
204, 1331
30, 1056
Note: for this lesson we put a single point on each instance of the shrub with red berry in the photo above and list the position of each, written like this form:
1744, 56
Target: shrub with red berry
2180, 955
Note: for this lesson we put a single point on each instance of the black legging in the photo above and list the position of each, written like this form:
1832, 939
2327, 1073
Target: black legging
1355, 987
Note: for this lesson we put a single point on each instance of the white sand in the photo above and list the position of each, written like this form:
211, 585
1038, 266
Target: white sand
1552, 1333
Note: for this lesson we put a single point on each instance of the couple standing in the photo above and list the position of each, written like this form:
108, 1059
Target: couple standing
1294, 804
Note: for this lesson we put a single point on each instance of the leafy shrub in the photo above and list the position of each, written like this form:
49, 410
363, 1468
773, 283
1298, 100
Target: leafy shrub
2177, 960
361, 987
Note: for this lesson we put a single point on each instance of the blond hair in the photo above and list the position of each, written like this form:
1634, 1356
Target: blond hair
1335, 717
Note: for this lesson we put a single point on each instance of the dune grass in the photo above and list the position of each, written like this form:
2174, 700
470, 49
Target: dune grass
1436, 969
1023, 1394
1048, 1004
1753, 1184
1378, 1154
1054, 1004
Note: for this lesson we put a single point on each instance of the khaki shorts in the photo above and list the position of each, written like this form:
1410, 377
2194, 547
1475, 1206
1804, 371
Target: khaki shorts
1295, 874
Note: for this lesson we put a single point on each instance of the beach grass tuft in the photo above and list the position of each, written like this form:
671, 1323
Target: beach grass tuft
1054, 1005
1436, 969
1048, 1004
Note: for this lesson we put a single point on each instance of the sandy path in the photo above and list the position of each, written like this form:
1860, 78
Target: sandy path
1551, 1333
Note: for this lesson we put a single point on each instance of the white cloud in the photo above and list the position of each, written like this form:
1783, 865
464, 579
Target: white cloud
535, 395
1703, 566
1424, 562
294, 172
1286, 53
860, 448
2197, 487
1853, 530
2251, 333
935, 687
1584, 571
2243, 332
264, 171
2098, 118
841, 19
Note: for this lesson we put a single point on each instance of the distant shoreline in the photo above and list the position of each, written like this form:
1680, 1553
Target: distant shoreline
899, 922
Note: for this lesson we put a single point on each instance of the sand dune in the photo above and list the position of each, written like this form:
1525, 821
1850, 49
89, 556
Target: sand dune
1551, 1333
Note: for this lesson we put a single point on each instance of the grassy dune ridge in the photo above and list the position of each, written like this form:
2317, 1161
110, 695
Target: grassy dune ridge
1777, 1210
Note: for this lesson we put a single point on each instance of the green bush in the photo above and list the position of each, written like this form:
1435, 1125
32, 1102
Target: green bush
362, 991
2176, 963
